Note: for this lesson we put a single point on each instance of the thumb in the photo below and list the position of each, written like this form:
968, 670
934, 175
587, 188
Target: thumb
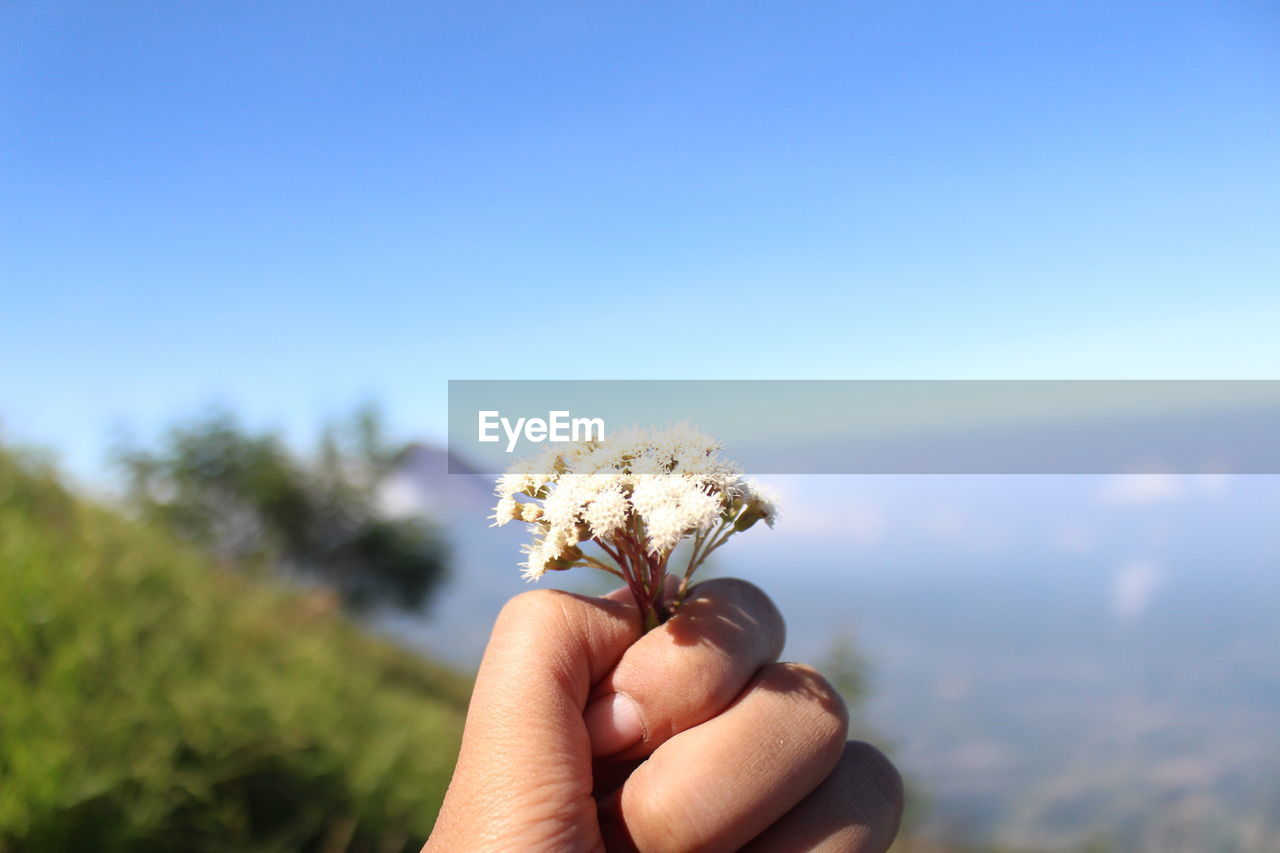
524, 770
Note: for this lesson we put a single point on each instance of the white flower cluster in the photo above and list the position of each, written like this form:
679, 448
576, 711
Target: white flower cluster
640, 492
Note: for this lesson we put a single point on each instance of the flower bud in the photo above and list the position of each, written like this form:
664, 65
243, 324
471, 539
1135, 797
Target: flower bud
756, 510
567, 559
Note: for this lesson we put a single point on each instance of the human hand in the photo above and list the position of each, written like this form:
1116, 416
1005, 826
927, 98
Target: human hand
585, 734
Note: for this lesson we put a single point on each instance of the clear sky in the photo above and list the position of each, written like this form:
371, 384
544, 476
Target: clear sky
288, 207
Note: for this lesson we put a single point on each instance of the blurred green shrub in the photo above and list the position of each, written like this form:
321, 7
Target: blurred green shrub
246, 498
151, 702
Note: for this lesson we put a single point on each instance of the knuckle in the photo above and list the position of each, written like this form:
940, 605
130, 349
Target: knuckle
821, 704
751, 607
664, 822
535, 606
744, 593
877, 775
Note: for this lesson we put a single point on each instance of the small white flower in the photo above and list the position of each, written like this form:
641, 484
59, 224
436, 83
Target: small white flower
636, 494
606, 512
506, 510
765, 499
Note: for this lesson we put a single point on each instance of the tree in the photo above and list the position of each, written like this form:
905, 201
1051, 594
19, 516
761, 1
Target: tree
254, 504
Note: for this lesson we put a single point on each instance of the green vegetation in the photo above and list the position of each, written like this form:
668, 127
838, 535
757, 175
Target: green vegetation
152, 700
248, 499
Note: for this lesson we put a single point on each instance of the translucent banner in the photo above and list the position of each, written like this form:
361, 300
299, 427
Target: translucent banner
891, 426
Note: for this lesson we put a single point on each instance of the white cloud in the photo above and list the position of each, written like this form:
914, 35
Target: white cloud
1140, 490
1143, 490
1073, 539
1132, 587
959, 528
824, 512
1211, 485
847, 520
397, 498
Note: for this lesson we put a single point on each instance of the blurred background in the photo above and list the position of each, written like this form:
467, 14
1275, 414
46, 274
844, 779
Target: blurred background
243, 247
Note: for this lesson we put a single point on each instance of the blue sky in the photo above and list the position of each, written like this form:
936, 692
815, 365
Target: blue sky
288, 209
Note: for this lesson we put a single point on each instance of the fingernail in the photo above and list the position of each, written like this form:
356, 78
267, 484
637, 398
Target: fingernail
613, 722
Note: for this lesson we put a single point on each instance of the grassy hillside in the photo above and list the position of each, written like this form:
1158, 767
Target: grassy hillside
151, 701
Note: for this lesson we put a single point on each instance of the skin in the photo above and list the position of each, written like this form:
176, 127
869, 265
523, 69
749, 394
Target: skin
584, 733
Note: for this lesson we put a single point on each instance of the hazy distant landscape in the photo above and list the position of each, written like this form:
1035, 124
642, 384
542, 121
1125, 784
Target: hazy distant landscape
1052, 660
1032, 716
